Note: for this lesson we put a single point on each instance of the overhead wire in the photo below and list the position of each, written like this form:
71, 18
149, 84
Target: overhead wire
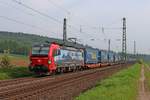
10, 19
69, 13
60, 7
26, 24
13, 7
37, 11
20, 10
42, 14
45, 15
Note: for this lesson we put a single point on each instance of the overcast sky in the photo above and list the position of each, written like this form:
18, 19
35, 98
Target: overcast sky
90, 15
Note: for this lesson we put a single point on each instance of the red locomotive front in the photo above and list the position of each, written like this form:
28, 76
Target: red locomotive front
42, 58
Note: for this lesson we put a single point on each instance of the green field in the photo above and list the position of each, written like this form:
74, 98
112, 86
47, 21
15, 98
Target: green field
13, 56
15, 72
17, 60
121, 86
19, 68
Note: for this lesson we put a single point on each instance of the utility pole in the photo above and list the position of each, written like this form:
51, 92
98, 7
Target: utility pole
103, 30
109, 45
108, 50
134, 48
65, 30
80, 29
124, 44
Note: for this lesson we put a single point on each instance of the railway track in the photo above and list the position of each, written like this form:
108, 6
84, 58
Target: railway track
14, 81
54, 87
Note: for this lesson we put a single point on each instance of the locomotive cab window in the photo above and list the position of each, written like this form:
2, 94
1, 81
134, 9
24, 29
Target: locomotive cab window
43, 51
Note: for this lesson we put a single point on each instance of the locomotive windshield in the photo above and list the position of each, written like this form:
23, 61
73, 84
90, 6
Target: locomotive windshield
40, 50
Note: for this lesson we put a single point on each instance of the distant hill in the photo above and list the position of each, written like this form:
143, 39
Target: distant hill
20, 43
23, 37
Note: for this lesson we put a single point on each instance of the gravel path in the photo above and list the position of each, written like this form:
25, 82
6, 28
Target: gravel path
143, 93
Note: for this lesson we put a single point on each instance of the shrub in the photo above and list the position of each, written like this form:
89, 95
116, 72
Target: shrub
140, 61
5, 61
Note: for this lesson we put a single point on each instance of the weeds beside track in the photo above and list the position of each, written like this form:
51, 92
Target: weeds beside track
121, 86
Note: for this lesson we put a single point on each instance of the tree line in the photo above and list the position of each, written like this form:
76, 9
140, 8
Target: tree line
14, 47
19, 43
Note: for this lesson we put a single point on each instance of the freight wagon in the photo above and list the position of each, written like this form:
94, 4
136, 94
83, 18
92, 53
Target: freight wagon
111, 58
91, 57
103, 54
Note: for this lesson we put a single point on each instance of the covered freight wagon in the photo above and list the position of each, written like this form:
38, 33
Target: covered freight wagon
91, 55
103, 56
111, 57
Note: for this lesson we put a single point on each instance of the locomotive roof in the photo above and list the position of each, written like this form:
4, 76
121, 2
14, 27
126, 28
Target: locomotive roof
41, 45
66, 43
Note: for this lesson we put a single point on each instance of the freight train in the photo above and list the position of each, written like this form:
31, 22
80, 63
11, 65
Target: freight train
58, 58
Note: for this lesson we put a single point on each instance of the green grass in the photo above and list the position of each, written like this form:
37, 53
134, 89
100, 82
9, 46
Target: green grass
121, 86
15, 72
15, 57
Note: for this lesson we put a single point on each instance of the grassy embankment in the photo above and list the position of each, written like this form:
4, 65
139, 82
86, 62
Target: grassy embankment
15, 72
121, 86
19, 68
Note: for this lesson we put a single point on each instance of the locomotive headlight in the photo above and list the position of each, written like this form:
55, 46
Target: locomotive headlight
49, 62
